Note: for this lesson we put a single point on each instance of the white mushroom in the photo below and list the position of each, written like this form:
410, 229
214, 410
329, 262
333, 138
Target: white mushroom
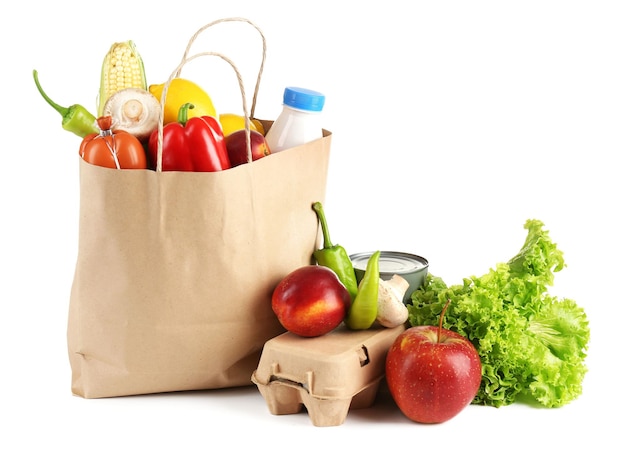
133, 110
392, 311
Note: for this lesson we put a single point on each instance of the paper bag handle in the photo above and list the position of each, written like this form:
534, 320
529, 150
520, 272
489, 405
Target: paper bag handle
186, 59
262, 65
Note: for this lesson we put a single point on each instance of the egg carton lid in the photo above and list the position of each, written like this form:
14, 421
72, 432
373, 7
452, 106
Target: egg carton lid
337, 365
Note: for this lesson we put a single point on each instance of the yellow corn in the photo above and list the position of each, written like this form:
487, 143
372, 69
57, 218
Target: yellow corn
122, 68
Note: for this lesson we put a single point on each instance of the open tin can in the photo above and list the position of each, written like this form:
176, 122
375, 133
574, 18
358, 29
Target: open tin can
411, 267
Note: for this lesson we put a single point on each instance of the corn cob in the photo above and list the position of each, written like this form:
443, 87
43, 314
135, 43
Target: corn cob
122, 68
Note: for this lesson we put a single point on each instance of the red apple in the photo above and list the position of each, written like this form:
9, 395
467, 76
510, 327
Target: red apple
238, 151
432, 373
310, 301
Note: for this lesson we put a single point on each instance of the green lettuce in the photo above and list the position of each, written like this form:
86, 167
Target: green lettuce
532, 345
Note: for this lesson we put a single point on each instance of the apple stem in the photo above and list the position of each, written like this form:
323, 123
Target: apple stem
445, 308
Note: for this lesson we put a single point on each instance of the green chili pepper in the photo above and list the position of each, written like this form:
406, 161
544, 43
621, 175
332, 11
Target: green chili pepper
363, 311
76, 118
335, 257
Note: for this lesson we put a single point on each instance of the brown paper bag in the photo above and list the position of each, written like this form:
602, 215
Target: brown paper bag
175, 270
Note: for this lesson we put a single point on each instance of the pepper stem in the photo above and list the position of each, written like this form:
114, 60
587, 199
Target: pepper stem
62, 110
183, 113
319, 210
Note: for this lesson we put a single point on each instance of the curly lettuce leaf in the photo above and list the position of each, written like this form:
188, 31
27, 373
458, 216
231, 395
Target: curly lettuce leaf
532, 345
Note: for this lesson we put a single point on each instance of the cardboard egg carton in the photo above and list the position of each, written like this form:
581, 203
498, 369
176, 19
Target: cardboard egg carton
328, 375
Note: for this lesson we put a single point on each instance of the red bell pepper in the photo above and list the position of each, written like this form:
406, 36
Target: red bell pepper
191, 144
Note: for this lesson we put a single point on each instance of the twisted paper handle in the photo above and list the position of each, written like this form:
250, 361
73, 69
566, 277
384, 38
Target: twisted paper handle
186, 59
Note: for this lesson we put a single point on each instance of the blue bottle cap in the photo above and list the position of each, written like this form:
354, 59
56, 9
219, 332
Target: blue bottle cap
303, 99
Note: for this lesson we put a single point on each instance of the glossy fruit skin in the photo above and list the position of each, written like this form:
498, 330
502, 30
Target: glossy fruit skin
182, 91
231, 122
430, 381
310, 301
258, 125
238, 150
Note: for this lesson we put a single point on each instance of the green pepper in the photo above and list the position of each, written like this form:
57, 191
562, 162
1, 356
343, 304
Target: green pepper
363, 311
335, 256
76, 118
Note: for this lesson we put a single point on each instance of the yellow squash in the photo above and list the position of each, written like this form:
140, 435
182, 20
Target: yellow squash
180, 92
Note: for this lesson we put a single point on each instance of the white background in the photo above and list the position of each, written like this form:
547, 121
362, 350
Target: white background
454, 122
